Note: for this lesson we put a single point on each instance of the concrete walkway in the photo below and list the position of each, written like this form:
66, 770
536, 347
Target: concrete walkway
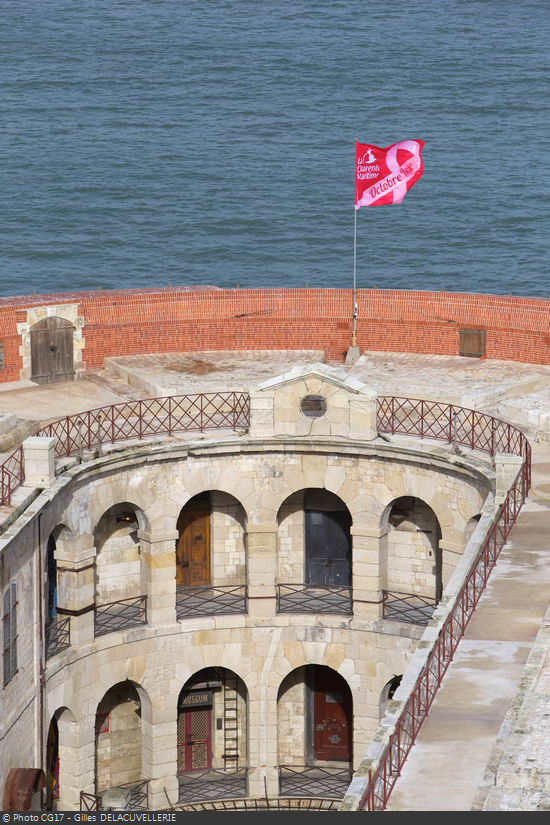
446, 766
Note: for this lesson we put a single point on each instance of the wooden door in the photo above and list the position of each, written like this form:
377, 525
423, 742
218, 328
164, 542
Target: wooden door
193, 546
52, 351
328, 547
332, 717
472, 343
194, 739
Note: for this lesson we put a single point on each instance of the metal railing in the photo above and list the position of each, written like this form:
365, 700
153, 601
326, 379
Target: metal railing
314, 598
133, 420
403, 737
206, 600
120, 615
137, 798
58, 636
262, 804
211, 784
455, 425
313, 781
407, 607
231, 410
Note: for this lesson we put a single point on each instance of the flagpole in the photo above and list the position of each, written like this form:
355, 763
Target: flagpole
354, 329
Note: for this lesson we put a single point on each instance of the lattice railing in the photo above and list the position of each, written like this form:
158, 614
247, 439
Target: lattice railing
133, 420
211, 784
314, 598
120, 615
207, 600
137, 797
58, 636
313, 781
417, 707
231, 410
262, 804
407, 607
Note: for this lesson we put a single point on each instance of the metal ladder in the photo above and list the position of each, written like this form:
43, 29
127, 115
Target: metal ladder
230, 720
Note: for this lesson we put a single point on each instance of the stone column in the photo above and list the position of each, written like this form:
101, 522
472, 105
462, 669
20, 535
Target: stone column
261, 569
159, 726
370, 570
507, 466
76, 585
158, 575
76, 761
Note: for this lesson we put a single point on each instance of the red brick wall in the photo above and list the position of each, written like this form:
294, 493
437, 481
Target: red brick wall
125, 322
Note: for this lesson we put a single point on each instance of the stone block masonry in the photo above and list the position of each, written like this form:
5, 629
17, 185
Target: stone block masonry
185, 319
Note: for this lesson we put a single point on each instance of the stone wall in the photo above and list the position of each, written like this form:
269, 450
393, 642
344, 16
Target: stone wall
261, 647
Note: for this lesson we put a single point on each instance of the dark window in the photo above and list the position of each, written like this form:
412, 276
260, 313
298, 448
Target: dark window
9, 622
472, 343
314, 406
1, 355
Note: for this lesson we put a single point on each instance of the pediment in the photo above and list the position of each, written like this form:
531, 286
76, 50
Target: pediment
336, 376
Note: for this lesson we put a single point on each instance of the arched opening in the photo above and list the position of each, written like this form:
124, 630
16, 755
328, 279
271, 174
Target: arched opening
314, 553
52, 356
118, 744
52, 766
315, 732
51, 581
414, 554
212, 736
61, 743
211, 556
388, 693
117, 564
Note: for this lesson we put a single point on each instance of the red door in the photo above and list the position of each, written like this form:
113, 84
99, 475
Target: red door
332, 719
194, 739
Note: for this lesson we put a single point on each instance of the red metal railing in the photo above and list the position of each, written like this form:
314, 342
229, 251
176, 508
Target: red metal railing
490, 435
136, 419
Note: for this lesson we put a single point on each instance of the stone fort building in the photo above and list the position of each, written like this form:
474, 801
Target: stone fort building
223, 587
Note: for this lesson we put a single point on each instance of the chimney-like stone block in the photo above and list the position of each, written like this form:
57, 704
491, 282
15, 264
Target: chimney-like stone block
507, 466
39, 461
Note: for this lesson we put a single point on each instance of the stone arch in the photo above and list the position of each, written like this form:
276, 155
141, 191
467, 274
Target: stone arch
388, 692
314, 544
113, 496
314, 721
212, 728
117, 569
414, 557
118, 737
211, 547
61, 757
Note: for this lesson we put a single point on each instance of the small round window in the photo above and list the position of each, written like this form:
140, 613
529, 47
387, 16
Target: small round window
314, 406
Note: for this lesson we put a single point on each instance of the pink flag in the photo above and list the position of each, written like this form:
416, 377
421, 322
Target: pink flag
385, 175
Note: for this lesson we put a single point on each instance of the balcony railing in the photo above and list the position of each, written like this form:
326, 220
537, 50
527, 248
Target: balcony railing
299, 803
206, 600
58, 636
134, 796
407, 607
314, 598
212, 784
120, 615
313, 781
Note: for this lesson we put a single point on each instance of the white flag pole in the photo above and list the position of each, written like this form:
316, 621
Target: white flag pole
354, 329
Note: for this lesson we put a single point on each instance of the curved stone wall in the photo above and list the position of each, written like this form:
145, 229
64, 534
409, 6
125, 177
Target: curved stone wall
261, 647
127, 322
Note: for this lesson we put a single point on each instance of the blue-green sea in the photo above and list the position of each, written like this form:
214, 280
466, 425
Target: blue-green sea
147, 142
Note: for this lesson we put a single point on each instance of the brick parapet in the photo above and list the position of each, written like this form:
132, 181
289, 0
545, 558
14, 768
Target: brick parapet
128, 322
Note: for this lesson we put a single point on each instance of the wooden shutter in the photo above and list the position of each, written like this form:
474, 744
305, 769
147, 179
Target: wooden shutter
13, 628
472, 343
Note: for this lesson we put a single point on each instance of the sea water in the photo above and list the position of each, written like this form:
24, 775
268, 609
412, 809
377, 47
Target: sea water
147, 142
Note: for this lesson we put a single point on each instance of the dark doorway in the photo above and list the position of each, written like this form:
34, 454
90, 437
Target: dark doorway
52, 351
193, 545
51, 573
328, 546
330, 712
52, 771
